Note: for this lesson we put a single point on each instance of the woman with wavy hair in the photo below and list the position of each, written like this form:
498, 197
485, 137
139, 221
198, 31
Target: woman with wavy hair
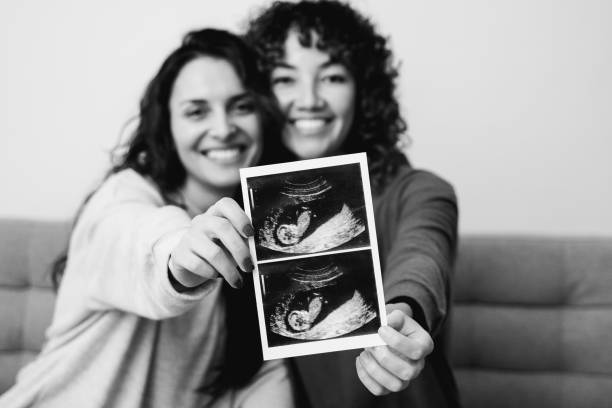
148, 309
334, 79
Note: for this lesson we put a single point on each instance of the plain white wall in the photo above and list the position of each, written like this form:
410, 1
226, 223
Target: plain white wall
510, 100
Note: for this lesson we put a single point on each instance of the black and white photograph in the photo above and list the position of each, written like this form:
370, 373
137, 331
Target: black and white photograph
464, 261
308, 211
318, 298
317, 275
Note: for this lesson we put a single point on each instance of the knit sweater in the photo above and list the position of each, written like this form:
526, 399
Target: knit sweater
121, 335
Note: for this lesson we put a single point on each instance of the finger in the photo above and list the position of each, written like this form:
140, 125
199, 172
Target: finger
228, 208
379, 374
223, 230
219, 259
415, 345
188, 261
397, 366
401, 322
401, 306
372, 386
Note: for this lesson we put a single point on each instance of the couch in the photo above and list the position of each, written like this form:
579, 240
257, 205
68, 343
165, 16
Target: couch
531, 324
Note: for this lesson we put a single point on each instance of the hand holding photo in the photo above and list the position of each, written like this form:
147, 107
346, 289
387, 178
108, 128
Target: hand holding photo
317, 278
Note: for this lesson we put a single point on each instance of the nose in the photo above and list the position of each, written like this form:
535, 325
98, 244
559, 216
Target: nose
221, 127
309, 97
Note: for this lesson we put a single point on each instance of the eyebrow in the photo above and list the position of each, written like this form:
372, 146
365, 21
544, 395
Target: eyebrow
193, 101
286, 65
232, 99
239, 97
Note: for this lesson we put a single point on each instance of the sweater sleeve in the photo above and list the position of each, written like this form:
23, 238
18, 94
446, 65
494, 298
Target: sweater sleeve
421, 254
121, 246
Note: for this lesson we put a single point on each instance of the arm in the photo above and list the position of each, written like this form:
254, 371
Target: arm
416, 278
419, 260
120, 249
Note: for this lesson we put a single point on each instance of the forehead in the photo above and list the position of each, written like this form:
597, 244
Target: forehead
206, 78
298, 55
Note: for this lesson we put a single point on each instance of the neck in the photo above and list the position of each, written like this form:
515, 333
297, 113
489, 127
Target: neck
199, 198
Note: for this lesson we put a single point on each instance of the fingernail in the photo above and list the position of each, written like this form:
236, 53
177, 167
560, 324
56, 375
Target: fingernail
248, 264
248, 230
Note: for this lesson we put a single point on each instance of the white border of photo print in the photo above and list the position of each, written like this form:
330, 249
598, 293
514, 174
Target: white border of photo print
317, 277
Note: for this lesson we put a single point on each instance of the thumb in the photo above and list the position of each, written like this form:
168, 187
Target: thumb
402, 323
395, 319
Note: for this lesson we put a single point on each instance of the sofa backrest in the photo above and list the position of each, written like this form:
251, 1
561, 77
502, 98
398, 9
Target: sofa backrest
532, 322
27, 250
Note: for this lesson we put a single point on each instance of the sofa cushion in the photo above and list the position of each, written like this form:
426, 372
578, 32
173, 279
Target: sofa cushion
532, 323
27, 251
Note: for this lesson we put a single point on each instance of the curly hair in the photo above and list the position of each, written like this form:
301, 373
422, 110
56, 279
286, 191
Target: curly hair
350, 39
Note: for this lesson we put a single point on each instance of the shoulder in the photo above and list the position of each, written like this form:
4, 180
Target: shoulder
123, 198
129, 185
121, 188
413, 181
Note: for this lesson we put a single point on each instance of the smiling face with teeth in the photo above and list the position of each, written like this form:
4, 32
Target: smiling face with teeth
214, 123
317, 96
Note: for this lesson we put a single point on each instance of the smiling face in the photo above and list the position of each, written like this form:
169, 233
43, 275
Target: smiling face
214, 124
317, 96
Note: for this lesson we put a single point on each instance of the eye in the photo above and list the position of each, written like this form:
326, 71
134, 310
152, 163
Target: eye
282, 80
243, 107
335, 74
335, 78
196, 112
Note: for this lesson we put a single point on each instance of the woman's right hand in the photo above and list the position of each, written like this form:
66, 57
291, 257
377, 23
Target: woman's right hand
215, 245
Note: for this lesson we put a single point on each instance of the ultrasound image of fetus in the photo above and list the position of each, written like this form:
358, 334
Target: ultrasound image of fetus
309, 218
292, 223
323, 303
303, 310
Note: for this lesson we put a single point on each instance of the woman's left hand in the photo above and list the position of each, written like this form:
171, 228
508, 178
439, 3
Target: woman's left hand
390, 368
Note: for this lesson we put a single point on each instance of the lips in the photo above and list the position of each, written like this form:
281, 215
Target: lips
310, 126
224, 155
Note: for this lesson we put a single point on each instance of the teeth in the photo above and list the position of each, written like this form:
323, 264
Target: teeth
309, 125
223, 154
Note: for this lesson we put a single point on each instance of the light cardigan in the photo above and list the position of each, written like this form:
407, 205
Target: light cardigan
121, 335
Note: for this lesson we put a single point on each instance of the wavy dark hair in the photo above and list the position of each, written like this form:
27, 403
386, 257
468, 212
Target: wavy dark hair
150, 150
350, 39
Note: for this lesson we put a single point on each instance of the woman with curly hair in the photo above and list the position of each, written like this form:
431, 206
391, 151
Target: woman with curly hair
333, 77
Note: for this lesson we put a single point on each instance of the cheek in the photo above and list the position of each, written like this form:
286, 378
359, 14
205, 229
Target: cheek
345, 109
346, 103
180, 131
283, 97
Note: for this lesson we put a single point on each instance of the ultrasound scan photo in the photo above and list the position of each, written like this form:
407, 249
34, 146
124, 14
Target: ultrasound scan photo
317, 278
319, 298
307, 212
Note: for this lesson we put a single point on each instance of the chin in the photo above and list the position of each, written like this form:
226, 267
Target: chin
221, 177
307, 149
223, 181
